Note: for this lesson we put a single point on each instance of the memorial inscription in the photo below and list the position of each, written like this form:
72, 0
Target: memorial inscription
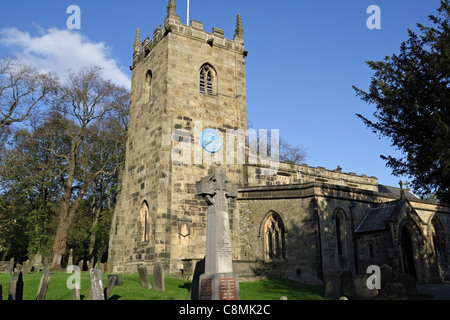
206, 289
227, 289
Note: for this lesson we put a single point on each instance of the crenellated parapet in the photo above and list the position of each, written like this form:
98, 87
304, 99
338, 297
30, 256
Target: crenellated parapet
195, 31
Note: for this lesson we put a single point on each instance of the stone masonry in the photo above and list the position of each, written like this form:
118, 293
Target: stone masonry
297, 222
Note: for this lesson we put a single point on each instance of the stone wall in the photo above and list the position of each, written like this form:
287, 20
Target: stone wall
302, 173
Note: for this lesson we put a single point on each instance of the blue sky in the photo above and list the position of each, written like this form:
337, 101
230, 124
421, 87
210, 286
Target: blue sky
304, 57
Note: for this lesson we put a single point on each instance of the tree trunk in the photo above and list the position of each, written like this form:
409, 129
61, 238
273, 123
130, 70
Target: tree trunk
65, 220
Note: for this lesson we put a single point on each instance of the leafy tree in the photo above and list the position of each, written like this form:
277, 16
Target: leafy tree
411, 92
89, 102
30, 190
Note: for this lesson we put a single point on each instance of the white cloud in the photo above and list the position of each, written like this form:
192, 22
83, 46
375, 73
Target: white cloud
59, 50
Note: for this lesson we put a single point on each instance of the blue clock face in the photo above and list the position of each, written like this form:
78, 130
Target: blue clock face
211, 140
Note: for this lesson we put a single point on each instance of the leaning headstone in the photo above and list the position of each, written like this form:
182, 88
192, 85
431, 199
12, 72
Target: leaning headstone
158, 277
143, 276
110, 285
118, 277
16, 287
43, 285
219, 282
80, 265
96, 290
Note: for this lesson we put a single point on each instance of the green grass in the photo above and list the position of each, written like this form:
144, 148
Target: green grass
273, 289
176, 289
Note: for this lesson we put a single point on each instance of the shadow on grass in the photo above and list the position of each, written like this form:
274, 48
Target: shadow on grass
186, 286
273, 289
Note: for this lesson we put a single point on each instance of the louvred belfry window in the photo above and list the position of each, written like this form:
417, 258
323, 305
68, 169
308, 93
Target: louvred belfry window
207, 76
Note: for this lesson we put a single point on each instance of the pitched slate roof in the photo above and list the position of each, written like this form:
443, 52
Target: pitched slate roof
375, 218
396, 191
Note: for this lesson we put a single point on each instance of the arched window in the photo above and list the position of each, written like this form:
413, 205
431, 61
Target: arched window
274, 237
144, 222
341, 232
148, 85
438, 236
207, 77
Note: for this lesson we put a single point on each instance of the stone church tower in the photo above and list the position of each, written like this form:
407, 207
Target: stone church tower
184, 80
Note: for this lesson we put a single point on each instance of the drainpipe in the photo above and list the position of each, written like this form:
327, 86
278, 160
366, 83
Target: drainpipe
355, 248
315, 206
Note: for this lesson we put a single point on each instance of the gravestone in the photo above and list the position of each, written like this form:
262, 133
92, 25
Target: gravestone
36, 262
11, 266
112, 280
76, 291
219, 282
158, 277
143, 276
386, 275
26, 266
96, 290
70, 260
347, 282
80, 265
333, 286
43, 285
118, 277
361, 290
16, 287
46, 263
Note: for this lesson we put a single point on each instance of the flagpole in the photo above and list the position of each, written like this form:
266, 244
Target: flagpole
188, 22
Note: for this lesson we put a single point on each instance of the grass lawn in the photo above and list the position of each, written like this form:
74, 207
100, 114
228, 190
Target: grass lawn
176, 289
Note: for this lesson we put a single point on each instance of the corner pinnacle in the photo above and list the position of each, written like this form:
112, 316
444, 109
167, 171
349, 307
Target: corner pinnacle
239, 32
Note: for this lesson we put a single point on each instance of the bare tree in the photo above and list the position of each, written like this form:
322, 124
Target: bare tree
22, 88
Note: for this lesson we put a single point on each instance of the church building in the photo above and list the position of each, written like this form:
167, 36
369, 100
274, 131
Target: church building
293, 221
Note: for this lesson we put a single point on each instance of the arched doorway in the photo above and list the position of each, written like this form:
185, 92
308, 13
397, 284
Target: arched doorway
408, 252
